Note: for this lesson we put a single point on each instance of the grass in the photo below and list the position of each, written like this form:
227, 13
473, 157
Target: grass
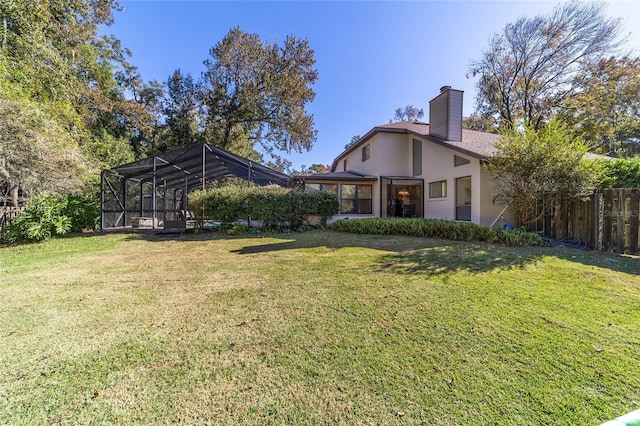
315, 328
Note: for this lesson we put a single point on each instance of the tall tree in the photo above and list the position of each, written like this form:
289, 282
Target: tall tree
527, 71
57, 70
535, 167
48, 158
408, 113
606, 109
182, 111
255, 92
319, 168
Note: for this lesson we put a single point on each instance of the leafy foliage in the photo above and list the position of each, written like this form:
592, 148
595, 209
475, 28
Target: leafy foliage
49, 216
619, 173
181, 107
606, 111
62, 85
527, 71
36, 153
436, 228
273, 206
255, 93
533, 168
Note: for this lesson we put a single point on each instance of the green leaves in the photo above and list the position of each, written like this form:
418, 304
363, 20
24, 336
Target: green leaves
619, 173
436, 228
273, 206
48, 216
606, 111
534, 167
255, 93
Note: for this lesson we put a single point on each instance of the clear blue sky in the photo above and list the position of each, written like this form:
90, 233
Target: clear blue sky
371, 57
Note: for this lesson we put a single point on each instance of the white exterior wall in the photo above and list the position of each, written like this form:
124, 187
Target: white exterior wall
438, 165
391, 155
490, 210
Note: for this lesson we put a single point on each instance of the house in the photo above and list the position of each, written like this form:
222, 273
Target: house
414, 169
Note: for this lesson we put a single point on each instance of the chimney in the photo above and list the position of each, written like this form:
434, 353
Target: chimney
445, 114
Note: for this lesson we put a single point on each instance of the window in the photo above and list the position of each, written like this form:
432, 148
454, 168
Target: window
438, 189
345, 165
326, 187
355, 199
417, 157
366, 153
459, 161
463, 198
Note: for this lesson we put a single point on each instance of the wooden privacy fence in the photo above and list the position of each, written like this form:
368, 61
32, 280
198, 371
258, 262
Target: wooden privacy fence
607, 221
8, 214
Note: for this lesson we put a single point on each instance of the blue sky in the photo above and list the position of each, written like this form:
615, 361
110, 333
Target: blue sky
371, 57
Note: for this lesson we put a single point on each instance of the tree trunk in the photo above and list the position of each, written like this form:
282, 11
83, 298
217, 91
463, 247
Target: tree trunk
14, 196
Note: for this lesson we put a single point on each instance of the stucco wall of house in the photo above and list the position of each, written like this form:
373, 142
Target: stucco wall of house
438, 165
490, 209
390, 156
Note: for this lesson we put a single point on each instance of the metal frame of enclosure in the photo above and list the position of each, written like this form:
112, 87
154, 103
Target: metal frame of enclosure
152, 192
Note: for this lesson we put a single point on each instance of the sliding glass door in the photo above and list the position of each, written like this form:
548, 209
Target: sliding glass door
402, 197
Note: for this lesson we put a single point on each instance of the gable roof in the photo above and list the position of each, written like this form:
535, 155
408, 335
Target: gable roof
475, 144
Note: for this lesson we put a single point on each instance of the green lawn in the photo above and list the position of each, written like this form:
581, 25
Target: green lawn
315, 328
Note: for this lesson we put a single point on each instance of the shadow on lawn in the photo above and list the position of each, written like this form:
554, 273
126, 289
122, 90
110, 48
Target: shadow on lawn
410, 255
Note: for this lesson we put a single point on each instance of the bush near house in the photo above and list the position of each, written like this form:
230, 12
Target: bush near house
273, 206
437, 228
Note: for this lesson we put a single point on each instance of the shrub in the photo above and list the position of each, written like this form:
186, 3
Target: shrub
273, 206
225, 204
48, 216
619, 173
270, 205
436, 228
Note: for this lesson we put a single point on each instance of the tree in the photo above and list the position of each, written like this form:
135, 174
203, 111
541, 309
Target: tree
618, 173
282, 165
256, 93
57, 68
606, 109
480, 122
181, 108
319, 168
36, 153
408, 113
535, 168
527, 71
353, 141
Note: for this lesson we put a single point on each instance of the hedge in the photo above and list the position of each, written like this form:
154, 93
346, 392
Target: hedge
436, 228
273, 206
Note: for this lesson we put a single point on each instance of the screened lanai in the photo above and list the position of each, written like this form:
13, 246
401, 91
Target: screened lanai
152, 193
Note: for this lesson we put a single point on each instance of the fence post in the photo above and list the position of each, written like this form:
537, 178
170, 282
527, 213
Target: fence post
634, 221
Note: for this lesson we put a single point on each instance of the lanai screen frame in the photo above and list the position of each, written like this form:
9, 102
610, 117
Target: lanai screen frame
169, 177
